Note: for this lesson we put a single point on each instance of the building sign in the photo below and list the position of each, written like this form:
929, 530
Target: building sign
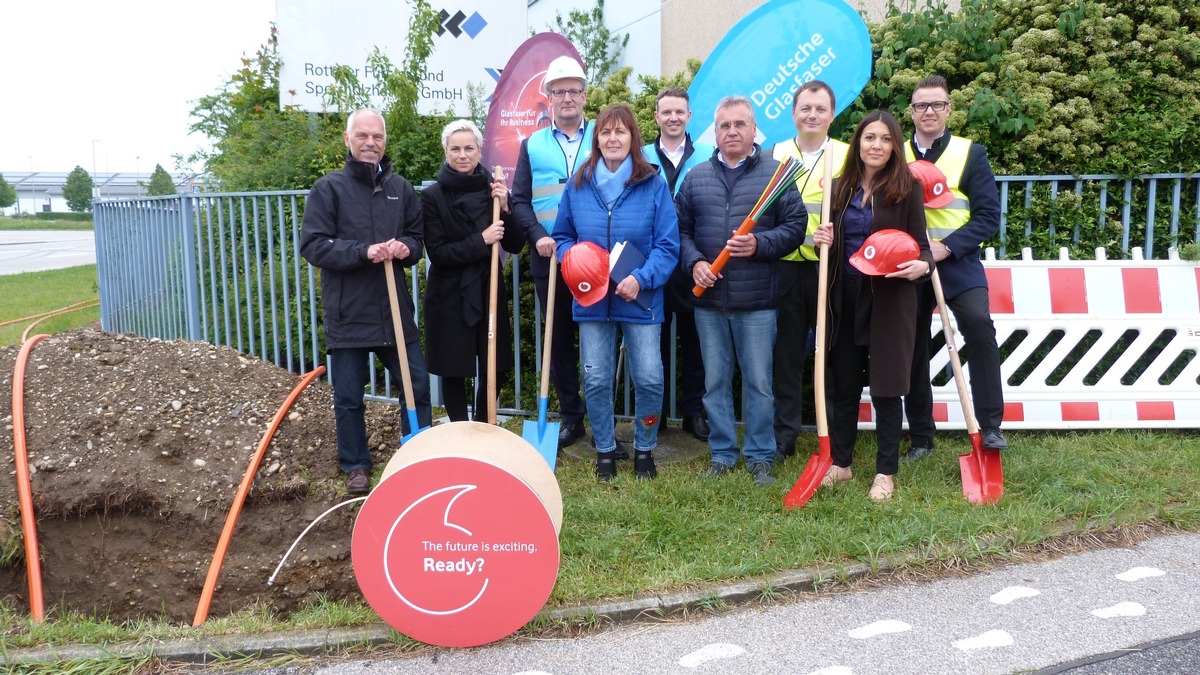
474, 39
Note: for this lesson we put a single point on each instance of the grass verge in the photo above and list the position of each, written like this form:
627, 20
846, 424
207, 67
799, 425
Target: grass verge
32, 293
10, 223
684, 533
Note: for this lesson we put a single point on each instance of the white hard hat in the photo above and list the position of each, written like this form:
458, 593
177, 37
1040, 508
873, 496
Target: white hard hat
564, 67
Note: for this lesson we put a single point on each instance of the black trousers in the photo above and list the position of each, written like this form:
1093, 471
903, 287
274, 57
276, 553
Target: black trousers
564, 350
797, 315
973, 318
847, 374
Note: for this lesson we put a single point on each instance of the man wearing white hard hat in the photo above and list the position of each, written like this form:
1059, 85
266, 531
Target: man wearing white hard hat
547, 159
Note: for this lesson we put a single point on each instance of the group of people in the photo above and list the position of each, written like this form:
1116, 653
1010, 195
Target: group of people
672, 206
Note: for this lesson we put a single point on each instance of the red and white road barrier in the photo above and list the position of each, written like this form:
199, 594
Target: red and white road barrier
1087, 345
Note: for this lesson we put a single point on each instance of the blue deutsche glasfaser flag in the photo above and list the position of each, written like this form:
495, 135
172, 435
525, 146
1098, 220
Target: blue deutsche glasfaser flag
622, 261
774, 50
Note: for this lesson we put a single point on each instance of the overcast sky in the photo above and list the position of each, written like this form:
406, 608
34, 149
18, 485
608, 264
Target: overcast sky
123, 73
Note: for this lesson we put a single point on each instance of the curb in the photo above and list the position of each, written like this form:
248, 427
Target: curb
206, 649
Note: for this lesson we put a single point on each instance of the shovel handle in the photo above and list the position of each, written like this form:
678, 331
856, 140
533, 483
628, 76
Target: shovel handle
401, 345
960, 381
493, 293
551, 284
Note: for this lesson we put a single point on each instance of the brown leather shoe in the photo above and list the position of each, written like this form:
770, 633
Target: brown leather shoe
358, 482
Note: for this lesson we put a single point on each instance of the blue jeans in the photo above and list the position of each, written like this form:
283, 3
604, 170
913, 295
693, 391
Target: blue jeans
598, 352
350, 370
750, 338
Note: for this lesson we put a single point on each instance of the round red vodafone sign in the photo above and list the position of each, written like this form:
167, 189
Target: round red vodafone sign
455, 552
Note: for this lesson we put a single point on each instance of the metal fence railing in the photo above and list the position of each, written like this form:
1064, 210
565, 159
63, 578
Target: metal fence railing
225, 267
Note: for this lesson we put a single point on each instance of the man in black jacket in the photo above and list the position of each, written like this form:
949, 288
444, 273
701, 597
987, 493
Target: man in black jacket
956, 232
735, 317
354, 220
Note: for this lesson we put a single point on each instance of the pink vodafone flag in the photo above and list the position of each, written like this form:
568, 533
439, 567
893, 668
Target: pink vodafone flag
519, 104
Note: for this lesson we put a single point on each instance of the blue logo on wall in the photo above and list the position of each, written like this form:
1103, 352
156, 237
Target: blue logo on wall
459, 23
774, 50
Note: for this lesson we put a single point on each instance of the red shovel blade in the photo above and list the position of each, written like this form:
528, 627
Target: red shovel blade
993, 475
806, 485
972, 473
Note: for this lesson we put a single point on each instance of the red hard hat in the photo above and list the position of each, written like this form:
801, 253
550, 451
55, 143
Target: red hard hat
883, 252
933, 182
585, 269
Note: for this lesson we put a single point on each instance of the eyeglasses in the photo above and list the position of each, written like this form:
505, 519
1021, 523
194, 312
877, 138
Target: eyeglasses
936, 106
563, 93
738, 124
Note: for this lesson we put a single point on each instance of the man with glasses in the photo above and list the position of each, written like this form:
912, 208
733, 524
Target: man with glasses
547, 159
735, 316
956, 231
675, 154
812, 112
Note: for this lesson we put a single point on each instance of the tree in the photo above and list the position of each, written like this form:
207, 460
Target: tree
597, 45
8, 193
77, 190
160, 182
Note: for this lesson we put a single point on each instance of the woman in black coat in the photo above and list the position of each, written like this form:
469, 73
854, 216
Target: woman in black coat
459, 233
873, 317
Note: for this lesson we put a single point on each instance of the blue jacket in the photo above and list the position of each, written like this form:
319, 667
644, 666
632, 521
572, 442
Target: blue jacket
694, 154
709, 213
644, 216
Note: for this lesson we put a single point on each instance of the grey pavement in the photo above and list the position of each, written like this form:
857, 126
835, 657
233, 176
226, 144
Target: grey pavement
1119, 611
37, 250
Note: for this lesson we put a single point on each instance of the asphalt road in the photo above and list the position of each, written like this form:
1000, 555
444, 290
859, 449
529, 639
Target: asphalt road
1119, 611
37, 250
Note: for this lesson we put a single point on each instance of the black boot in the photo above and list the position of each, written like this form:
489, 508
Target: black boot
643, 465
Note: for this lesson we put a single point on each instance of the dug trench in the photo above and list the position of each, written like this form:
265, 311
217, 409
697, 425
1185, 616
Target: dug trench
137, 448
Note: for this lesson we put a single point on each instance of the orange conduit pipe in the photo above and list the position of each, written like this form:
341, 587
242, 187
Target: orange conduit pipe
43, 315
214, 569
33, 562
59, 312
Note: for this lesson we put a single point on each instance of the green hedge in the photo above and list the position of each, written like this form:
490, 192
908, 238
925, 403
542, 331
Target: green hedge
64, 215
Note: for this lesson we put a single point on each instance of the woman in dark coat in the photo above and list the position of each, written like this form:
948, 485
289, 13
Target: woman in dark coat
459, 233
873, 318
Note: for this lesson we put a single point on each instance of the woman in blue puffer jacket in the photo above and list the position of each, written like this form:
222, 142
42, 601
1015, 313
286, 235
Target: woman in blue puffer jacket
618, 197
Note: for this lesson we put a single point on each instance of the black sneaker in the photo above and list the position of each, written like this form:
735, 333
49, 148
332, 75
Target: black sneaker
916, 452
993, 439
643, 465
715, 470
606, 466
761, 472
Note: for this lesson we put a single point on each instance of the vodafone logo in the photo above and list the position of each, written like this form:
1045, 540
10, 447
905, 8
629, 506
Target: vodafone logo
455, 551
868, 252
583, 287
938, 189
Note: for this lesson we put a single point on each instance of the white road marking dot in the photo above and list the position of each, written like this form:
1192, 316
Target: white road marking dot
1139, 573
1011, 593
1119, 609
717, 650
988, 640
833, 670
879, 628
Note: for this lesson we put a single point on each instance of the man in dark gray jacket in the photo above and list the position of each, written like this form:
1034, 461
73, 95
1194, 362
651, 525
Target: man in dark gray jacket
735, 317
355, 221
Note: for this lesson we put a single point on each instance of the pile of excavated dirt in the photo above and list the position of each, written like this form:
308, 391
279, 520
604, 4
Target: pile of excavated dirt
137, 449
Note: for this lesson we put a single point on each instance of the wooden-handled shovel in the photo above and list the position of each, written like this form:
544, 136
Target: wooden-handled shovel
410, 401
982, 473
493, 293
820, 461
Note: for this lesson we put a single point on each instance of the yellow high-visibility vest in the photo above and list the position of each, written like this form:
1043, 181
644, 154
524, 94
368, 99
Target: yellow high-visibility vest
811, 188
941, 223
